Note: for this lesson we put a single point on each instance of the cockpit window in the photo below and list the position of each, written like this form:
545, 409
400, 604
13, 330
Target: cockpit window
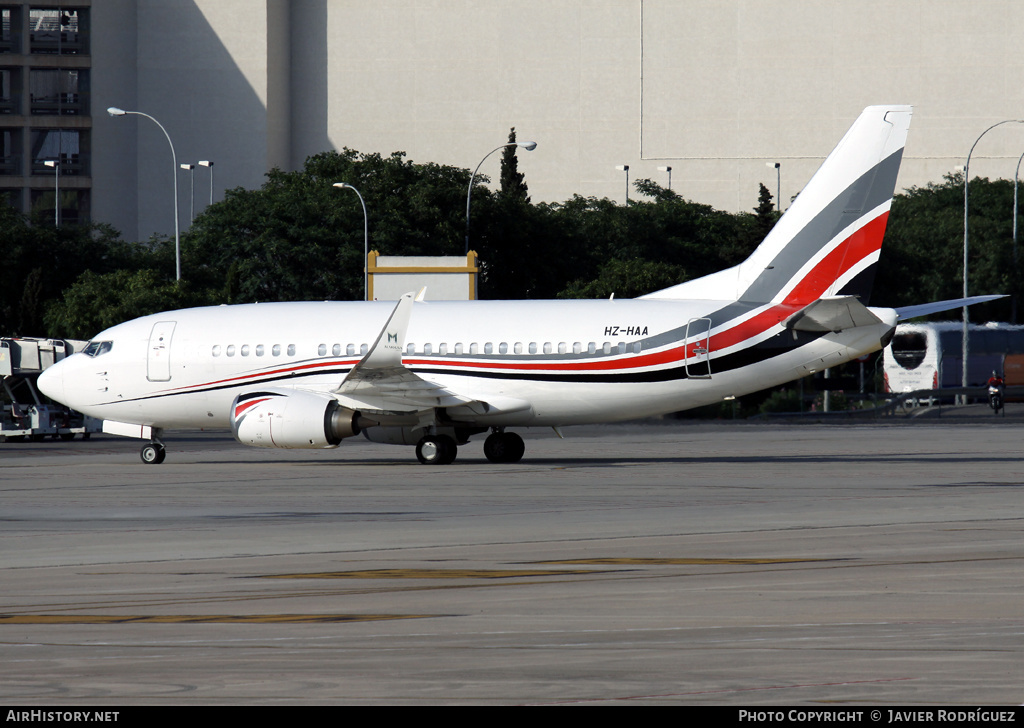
97, 348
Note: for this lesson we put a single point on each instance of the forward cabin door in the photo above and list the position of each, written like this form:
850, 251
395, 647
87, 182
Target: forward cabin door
158, 363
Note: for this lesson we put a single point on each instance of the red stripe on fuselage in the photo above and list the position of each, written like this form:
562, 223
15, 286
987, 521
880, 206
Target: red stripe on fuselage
865, 241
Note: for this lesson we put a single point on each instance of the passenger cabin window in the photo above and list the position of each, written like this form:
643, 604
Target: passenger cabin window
276, 351
322, 350
291, 349
259, 349
231, 350
245, 350
363, 348
350, 349
336, 350
216, 350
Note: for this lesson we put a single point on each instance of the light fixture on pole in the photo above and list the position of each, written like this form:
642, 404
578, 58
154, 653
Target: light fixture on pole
964, 349
209, 164
190, 168
114, 111
55, 163
366, 237
778, 183
1016, 184
625, 168
528, 146
669, 170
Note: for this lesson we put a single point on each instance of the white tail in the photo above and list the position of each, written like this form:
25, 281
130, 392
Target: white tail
829, 240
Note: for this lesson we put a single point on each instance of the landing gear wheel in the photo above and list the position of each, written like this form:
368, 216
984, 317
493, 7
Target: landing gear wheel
436, 450
153, 453
504, 447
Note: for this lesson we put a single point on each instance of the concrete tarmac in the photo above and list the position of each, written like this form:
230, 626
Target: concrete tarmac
695, 563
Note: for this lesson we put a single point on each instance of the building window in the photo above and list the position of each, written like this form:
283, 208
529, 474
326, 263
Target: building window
10, 91
60, 31
63, 145
10, 160
58, 91
74, 204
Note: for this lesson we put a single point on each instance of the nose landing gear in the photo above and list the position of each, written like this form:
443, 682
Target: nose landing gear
153, 452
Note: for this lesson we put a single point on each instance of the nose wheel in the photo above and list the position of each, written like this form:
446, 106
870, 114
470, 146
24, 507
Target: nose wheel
153, 453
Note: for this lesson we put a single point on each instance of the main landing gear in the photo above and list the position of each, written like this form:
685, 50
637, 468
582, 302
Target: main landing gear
504, 447
436, 450
499, 447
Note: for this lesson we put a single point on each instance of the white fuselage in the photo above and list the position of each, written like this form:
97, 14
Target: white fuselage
573, 362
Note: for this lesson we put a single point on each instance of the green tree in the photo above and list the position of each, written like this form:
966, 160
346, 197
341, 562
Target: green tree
922, 257
98, 301
513, 186
300, 238
627, 279
40, 262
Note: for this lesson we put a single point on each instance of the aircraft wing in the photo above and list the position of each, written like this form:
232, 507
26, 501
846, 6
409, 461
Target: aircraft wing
381, 384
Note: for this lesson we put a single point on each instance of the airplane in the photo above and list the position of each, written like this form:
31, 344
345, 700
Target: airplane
433, 374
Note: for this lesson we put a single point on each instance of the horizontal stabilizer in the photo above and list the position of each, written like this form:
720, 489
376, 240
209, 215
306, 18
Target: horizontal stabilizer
909, 312
833, 313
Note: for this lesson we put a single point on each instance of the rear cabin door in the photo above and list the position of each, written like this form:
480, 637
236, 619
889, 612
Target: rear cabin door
698, 336
158, 363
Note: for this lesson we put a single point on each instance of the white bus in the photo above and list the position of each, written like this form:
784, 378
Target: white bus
929, 355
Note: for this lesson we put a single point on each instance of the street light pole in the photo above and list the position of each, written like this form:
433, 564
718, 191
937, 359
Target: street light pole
967, 176
669, 170
114, 111
528, 146
1016, 184
366, 237
625, 168
778, 183
209, 164
55, 163
190, 168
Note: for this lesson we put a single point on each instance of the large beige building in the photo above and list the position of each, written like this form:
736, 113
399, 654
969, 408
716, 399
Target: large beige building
718, 90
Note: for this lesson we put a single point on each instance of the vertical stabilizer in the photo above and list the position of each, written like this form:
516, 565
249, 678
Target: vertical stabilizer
828, 241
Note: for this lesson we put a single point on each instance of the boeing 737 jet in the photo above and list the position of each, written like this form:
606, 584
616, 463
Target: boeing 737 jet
434, 374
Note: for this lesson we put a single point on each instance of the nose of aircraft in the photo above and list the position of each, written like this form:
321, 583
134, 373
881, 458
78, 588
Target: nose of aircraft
51, 382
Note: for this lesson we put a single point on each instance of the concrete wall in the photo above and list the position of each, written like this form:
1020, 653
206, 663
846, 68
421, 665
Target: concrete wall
716, 89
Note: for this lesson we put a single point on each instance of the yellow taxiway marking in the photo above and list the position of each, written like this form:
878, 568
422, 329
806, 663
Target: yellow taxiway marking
430, 574
200, 618
689, 562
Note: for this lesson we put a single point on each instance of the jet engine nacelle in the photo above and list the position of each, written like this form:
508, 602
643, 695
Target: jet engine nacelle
289, 418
